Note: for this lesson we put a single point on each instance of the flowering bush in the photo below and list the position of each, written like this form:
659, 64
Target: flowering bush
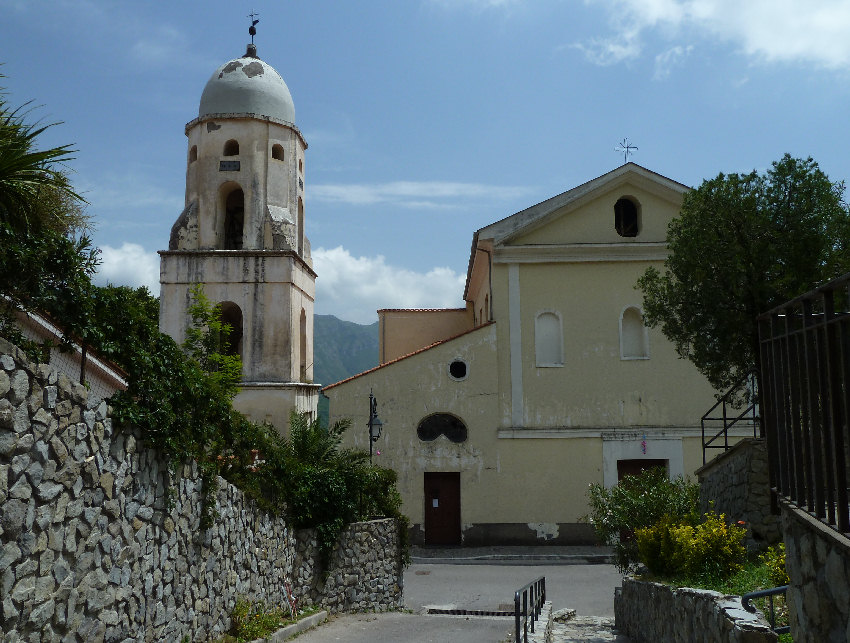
710, 548
774, 560
639, 501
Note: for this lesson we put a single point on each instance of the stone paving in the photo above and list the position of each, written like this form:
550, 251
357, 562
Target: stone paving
569, 628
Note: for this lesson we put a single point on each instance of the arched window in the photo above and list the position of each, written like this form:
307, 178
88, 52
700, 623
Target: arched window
302, 346
301, 166
433, 426
277, 151
486, 307
626, 219
231, 342
234, 220
634, 339
193, 154
231, 148
548, 339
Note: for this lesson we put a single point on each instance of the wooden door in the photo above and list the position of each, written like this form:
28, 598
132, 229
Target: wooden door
636, 467
442, 508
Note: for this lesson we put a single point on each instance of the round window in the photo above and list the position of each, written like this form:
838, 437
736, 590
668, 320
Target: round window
457, 369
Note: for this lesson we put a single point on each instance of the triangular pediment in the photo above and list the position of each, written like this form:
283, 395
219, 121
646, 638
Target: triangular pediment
585, 214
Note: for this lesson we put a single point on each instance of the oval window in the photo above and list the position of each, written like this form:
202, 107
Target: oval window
457, 369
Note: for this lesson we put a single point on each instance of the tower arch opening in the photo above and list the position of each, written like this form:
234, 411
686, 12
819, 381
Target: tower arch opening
231, 148
277, 152
231, 342
234, 219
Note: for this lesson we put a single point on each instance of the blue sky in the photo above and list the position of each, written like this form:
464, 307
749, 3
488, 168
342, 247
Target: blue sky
427, 119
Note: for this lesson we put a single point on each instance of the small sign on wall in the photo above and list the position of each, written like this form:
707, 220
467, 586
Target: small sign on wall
435, 502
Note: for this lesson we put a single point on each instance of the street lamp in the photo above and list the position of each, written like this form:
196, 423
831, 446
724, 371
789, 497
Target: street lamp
375, 424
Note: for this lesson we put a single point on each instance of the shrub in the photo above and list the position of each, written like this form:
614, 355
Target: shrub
639, 501
711, 548
774, 560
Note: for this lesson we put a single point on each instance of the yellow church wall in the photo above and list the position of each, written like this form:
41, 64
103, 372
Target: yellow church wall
401, 332
592, 221
595, 387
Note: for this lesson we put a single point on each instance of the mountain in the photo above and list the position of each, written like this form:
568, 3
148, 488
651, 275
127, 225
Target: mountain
341, 349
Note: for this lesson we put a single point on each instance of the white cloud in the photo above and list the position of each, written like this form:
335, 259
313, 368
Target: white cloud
414, 194
129, 265
666, 61
354, 288
813, 32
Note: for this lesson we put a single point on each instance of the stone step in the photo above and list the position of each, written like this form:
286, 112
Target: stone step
568, 628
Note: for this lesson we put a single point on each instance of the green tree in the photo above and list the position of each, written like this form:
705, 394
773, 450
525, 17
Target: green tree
743, 244
47, 260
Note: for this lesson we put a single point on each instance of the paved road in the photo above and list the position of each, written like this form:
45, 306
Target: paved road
589, 589
397, 627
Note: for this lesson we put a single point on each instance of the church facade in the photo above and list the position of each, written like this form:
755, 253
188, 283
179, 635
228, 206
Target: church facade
498, 415
242, 237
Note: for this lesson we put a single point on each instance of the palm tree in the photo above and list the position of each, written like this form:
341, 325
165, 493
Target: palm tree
34, 191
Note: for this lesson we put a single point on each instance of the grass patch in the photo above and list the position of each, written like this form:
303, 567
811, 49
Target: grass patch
250, 621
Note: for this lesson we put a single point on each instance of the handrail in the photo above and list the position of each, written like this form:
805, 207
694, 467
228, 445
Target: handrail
770, 593
750, 413
533, 596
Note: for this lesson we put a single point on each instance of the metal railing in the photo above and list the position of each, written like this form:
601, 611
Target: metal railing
805, 361
528, 601
769, 593
731, 416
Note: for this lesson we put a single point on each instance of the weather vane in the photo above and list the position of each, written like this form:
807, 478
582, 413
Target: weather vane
626, 148
253, 28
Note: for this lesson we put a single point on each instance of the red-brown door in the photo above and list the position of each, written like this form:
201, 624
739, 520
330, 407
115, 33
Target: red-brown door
636, 467
442, 508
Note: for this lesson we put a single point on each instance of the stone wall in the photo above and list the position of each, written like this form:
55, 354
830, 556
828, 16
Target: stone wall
650, 612
737, 484
818, 563
364, 569
95, 546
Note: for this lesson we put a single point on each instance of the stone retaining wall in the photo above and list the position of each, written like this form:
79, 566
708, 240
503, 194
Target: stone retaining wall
737, 484
818, 563
90, 549
650, 612
363, 576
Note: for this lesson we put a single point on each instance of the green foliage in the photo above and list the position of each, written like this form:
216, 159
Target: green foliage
323, 485
774, 561
743, 244
639, 501
710, 548
255, 620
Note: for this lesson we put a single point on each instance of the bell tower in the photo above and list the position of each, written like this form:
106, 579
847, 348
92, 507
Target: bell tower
241, 235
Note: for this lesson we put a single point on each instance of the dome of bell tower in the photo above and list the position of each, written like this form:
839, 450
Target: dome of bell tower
247, 85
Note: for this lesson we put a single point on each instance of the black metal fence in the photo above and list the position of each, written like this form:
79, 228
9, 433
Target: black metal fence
528, 601
727, 414
805, 400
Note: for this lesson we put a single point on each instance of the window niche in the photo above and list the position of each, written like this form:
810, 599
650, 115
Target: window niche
231, 314
548, 339
193, 154
234, 220
627, 217
231, 148
277, 152
634, 337
433, 426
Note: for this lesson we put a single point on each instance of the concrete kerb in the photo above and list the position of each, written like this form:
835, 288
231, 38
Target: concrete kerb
289, 631
513, 555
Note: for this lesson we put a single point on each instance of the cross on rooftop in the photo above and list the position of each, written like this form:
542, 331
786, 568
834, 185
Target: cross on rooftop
626, 148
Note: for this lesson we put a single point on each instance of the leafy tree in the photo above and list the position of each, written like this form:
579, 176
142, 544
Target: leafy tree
47, 261
742, 245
